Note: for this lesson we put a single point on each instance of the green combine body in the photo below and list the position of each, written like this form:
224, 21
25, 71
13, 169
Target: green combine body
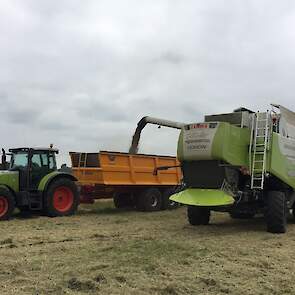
242, 163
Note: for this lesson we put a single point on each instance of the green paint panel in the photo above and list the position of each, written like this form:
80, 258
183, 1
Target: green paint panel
10, 179
278, 164
47, 178
231, 144
52, 175
203, 197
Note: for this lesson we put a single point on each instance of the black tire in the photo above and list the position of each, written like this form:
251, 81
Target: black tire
7, 204
123, 200
241, 215
198, 215
276, 212
51, 199
166, 202
149, 200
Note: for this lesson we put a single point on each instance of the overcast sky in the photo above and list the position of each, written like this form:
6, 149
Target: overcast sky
80, 74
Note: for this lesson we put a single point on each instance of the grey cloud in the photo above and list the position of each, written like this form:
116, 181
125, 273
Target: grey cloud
81, 74
171, 57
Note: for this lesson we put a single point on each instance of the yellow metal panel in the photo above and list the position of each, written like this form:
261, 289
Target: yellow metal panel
125, 169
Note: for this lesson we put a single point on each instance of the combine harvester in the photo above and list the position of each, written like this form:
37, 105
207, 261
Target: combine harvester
242, 163
129, 178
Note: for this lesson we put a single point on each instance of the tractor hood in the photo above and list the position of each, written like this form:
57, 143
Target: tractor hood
10, 179
203, 197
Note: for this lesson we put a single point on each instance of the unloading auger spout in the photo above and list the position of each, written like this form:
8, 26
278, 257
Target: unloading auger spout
150, 120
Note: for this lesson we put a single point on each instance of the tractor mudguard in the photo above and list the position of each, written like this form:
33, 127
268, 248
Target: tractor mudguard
203, 197
47, 179
5, 187
10, 179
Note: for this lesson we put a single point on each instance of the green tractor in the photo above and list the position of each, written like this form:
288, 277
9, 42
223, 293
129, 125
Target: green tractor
32, 183
242, 163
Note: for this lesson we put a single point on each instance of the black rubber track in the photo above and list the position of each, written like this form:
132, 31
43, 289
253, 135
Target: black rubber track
276, 212
198, 215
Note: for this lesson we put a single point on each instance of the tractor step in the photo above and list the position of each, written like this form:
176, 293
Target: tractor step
35, 200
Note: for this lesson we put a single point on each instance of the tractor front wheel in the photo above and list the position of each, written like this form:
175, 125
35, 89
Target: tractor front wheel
62, 198
276, 212
198, 215
7, 204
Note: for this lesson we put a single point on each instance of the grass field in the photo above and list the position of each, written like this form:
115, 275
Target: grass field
102, 250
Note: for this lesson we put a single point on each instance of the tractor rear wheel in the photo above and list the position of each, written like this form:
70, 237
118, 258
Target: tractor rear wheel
123, 200
7, 204
166, 202
149, 200
198, 215
62, 198
276, 212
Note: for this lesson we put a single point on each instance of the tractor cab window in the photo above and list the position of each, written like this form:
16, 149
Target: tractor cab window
36, 161
19, 160
52, 163
39, 167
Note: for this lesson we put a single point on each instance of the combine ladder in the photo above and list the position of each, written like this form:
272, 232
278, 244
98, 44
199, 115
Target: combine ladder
260, 135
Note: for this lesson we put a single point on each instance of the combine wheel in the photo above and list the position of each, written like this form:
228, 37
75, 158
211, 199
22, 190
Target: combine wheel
198, 215
61, 198
166, 202
149, 200
276, 212
123, 200
7, 204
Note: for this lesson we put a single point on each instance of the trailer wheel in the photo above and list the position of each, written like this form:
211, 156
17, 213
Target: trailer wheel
276, 212
198, 215
62, 198
123, 200
7, 204
149, 200
166, 202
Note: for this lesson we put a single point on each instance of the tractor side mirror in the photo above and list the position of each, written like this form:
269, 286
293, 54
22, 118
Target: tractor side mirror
3, 159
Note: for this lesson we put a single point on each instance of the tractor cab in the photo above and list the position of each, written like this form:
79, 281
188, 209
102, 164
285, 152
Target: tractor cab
32, 164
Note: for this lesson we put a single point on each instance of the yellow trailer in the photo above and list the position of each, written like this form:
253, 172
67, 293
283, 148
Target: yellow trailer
131, 179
